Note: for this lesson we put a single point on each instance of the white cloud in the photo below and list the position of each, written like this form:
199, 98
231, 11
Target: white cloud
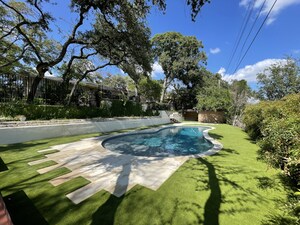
296, 51
214, 50
222, 71
249, 72
279, 6
156, 70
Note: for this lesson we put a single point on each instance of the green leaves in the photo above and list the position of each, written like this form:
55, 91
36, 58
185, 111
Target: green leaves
277, 127
211, 98
279, 80
179, 56
150, 89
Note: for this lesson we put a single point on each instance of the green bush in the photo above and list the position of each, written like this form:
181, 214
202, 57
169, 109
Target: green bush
117, 108
276, 126
46, 112
214, 99
133, 109
128, 108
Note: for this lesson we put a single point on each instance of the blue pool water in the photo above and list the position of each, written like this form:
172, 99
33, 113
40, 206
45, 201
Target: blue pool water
171, 141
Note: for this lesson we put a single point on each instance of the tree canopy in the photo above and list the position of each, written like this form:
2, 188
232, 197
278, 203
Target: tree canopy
214, 95
279, 80
112, 31
179, 56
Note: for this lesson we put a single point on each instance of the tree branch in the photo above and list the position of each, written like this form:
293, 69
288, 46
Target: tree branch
16, 59
71, 39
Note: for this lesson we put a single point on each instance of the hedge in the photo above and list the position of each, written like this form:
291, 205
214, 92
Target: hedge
276, 127
47, 112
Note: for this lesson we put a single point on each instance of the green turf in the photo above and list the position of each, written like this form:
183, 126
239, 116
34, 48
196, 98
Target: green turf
231, 187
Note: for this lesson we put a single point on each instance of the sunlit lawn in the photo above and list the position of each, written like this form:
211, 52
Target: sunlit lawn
231, 187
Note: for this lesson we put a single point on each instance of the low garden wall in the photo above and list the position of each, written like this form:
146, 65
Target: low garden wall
211, 117
11, 135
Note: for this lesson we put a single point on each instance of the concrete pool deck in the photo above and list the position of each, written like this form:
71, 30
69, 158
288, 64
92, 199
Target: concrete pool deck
110, 171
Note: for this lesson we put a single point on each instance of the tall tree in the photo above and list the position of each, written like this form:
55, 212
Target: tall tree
30, 21
211, 96
279, 80
179, 56
240, 93
150, 89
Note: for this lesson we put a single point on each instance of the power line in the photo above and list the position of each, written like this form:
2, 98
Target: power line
241, 32
256, 35
261, 8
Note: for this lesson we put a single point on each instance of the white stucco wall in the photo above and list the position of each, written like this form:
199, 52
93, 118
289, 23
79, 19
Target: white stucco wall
11, 135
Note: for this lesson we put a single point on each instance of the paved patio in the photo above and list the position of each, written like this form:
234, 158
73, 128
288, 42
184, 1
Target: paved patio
107, 170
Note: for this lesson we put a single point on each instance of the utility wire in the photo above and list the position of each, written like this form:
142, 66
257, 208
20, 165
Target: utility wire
241, 32
255, 35
261, 8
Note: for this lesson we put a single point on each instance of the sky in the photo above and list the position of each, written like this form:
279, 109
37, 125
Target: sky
218, 26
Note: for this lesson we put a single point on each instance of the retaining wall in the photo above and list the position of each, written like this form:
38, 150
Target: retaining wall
11, 135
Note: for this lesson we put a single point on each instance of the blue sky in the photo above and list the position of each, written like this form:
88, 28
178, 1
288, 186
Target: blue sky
218, 25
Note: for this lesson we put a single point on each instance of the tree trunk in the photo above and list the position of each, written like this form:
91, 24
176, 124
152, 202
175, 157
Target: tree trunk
42, 68
137, 94
64, 89
98, 98
69, 97
33, 89
163, 91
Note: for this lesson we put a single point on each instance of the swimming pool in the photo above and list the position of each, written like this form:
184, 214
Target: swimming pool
170, 141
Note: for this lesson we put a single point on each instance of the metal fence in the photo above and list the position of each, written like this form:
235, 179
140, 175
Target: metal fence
14, 88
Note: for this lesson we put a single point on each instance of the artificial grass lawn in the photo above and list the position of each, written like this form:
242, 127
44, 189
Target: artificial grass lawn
231, 187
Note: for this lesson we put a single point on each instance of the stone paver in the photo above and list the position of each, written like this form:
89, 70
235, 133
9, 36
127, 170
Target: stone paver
107, 170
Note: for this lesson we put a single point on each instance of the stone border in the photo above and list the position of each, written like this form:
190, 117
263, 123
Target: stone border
216, 148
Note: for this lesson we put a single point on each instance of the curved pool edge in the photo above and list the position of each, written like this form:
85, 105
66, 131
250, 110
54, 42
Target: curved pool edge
215, 149
217, 146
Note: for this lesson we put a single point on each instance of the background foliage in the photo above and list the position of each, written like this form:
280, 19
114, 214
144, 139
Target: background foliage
46, 112
276, 126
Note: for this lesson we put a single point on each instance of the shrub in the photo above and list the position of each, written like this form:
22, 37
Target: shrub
46, 112
276, 126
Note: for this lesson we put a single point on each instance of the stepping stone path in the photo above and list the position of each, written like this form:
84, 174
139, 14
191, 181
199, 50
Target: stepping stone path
106, 170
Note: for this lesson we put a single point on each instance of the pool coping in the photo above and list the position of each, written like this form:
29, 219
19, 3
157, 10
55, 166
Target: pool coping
217, 146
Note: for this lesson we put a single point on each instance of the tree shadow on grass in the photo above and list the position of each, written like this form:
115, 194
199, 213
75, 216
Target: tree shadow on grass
289, 205
213, 203
230, 151
3, 166
224, 189
266, 183
215, 136
20, 146
106, 213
